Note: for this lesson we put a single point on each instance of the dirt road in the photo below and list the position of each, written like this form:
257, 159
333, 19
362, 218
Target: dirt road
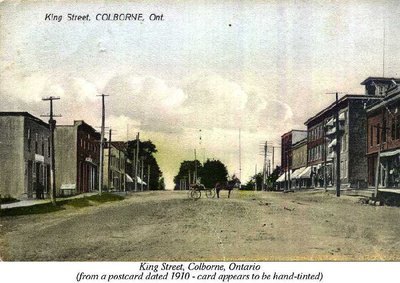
167, 226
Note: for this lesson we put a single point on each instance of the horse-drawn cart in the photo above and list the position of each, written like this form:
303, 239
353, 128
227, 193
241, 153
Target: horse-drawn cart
196, 189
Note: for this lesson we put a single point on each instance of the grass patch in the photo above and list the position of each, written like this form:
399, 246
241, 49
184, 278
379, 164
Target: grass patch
8, 200
61, 205
34, 209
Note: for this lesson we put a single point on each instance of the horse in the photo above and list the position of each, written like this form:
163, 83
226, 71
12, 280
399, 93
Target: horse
229, 185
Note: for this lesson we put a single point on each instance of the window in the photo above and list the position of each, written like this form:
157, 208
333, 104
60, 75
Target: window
378, 134
371, 135
36, 144
384, 129
29, 140
42, 145
48, 147
393, 129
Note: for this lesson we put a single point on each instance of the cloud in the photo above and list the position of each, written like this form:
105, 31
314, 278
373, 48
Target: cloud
170, 114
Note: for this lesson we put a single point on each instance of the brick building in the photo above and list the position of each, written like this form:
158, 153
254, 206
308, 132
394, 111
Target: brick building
25, 156
322, 143
384, 137
77, 150
287, 141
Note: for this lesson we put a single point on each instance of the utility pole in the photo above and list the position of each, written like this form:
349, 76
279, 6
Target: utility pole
337, 147
240, 156
273, 157
103, 110
52, 124
109, 160
136, 160
264, 165
148, 177
325, 162
255, 178
337, 137
141, 172
381, 132
195, 167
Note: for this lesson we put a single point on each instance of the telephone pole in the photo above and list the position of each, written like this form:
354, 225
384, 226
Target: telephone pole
52, 124
240, 156
264, 165
136, 160
382, 133
141, 172
195, 167
102, 142
337, 137
109, 160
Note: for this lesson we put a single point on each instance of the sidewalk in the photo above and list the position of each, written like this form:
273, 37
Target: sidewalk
31, 202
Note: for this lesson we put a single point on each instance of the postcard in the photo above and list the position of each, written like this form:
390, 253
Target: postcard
200, 140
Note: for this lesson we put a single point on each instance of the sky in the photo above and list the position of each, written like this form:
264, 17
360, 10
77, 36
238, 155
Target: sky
263, 67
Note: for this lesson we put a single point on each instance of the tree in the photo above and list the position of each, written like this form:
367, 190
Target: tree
188, 167
147, 150
213, 171
271, 180
161, 184
258, 178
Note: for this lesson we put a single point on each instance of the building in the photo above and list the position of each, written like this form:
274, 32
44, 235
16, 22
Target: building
300, 177
383, 140
25, 156
77, 151
322, 142
115, 164
287, 141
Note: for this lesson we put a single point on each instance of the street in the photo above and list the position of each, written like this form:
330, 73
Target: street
167, 226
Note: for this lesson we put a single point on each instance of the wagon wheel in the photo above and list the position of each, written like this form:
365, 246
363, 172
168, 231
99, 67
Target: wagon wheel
210, 193
195, 194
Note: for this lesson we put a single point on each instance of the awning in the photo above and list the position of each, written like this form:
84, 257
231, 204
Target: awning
331, 131
128, 178
297, 173
332, 143
330, 122
390, 153
281, 178
306, 173
140, 181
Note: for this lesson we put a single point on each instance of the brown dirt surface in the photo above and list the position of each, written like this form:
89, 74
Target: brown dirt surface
167, 226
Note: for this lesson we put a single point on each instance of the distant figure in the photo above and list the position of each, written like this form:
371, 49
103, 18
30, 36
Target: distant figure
40, 191
229, 185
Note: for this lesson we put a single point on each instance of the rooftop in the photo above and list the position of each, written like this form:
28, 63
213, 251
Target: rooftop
341, 100
380, 79
24, 114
